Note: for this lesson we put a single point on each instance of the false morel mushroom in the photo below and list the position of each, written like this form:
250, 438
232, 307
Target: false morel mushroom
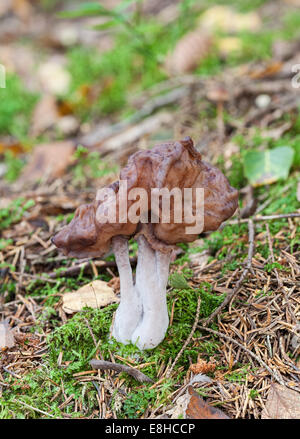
149, 204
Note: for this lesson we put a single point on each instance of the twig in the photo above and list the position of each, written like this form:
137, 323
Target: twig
108, 365
188, 339
99, 134
11, 372
97, 344
261, 218
232, 294
74, 270
91, 332
32, 408
259, 360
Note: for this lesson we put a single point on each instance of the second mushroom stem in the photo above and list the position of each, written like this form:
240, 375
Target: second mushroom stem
129, 311
142, 316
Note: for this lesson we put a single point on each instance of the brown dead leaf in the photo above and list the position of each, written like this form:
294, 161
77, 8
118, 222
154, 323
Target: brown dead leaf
96, 294
202, 366
10, 145
270, 69
197, 408
228, 45
282, 403
7, 339
114, 283
293, 2
189, 52
226, 19
22, 8
45, 115
49, 160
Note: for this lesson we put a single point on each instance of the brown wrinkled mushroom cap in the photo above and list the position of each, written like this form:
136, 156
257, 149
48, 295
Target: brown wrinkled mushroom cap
170, 165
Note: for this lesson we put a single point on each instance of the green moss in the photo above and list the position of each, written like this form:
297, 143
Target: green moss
16, 105
136, 403
14, 166
236, 175
239, 375
209, 302
89, 165
14, 212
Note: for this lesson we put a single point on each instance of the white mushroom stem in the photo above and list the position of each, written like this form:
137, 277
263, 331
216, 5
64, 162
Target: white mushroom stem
143, 305
129, 312
151, 282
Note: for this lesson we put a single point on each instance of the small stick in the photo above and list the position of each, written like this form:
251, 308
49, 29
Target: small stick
99, 135
11, 372
75, 269
236, 289
263, 218
32, 408
136, 374
188, 339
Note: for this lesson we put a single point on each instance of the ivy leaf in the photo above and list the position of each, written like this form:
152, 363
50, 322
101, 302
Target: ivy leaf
178, 281
266, 167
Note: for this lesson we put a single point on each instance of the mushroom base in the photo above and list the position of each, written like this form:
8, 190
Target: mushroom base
142, 316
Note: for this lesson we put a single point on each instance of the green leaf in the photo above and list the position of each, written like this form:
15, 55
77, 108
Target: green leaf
266, 167
86, 10
107, 25
178, 281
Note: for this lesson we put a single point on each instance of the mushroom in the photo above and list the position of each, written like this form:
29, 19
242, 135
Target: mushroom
219, 95
142, 316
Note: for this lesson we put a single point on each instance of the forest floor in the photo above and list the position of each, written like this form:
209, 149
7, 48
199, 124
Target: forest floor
78, 102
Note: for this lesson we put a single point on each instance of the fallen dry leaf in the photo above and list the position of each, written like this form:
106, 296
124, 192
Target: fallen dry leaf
96, 294
48, 160
114, 283
45, 115
22, 8
228, 20
228, 45
191, 406
10, 145
270, 69
7, 339
197, 408
282, 403
189, 52
293, 2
